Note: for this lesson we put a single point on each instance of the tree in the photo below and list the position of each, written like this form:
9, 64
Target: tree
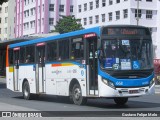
2, 1
67, 24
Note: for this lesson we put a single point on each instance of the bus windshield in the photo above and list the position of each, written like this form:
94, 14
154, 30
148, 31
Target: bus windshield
126, 54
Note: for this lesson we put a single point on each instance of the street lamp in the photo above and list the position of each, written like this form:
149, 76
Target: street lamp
137, 12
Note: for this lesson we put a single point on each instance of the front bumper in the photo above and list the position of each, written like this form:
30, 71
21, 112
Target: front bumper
106, 91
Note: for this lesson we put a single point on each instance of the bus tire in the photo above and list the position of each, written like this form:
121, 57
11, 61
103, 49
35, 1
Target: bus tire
26, 91
77, 97
120, 100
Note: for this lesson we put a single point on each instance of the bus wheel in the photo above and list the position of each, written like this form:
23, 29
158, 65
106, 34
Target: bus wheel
26, 91
77, 95
120, 101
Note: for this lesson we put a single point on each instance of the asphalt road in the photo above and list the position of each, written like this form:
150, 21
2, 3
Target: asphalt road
11, 101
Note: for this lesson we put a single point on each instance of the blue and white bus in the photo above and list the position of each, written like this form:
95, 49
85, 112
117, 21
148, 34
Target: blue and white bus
113, 61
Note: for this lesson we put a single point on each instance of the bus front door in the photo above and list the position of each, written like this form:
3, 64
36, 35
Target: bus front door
40, 68
16, 69
91, 58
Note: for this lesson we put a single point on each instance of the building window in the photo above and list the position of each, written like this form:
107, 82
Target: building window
25, 2
103, 17
6, 9
28, 12
43, 7
97, 18
117, 15
61, 8
91, 5
103, 3
117, 1
149, 14
0, 10
97, 3
0, 31
110, 2
90, 20
125, 13
110, 16
85, 7
0, 20
85, 21
32, 11
138, 13
39, 9
6, 19
32, 24
5, 30
51, 7
51, 21
71, 8
79, 8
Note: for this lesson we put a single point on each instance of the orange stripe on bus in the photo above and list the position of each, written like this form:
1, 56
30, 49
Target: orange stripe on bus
56, 65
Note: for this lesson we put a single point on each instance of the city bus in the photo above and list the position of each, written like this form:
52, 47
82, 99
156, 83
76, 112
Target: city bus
114, 62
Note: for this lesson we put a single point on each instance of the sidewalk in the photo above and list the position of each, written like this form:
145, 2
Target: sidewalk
157, 87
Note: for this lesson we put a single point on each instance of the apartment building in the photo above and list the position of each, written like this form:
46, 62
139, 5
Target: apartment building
3, 21
39, 16
107, 12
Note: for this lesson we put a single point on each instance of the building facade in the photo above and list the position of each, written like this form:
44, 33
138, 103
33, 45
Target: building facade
11, 19
3, 21
39, 16
107, 12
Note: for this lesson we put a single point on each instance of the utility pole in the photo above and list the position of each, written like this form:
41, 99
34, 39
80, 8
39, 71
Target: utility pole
137, 12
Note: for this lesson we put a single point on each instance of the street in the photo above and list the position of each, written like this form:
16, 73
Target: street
12, 101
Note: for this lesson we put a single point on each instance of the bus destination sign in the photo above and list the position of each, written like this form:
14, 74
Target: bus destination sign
124, 31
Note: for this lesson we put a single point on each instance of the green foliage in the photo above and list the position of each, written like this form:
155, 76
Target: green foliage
67, 24
2, 1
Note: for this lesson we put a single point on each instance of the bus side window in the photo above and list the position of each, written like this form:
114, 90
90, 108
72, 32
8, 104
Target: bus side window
30, 54
22, 55
77, 49
52, 51
63, 49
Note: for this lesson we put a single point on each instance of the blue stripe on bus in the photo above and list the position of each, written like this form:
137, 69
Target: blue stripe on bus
126, 82
61, 36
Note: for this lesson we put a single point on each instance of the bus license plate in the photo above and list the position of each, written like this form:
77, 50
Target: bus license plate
133, 91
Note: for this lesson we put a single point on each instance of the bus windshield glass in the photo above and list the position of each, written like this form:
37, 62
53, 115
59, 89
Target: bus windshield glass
127, 54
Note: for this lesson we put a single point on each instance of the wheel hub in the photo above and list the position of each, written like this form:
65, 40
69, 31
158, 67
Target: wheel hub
77, 93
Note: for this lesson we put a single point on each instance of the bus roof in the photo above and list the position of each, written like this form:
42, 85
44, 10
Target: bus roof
61, 36
96, 30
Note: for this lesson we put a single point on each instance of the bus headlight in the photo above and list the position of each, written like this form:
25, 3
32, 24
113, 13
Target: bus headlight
151, 82
108, 83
